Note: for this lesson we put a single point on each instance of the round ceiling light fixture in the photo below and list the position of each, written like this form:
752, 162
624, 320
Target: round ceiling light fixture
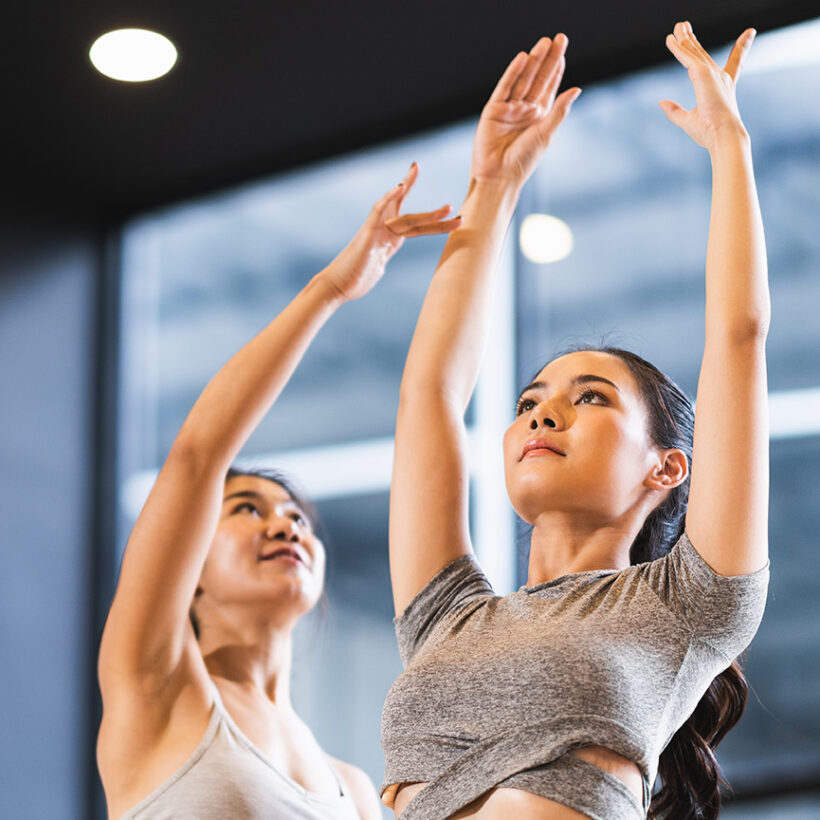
133, 55
545, 238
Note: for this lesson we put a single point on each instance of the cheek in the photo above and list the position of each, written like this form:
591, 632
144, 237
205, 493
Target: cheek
224, 552
508, 445
320, 558
626, 446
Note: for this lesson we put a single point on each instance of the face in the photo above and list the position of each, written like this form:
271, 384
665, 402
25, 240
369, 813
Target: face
264, 551
579, 442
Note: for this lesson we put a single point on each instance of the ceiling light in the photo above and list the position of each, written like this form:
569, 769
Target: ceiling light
133, 55
545, 238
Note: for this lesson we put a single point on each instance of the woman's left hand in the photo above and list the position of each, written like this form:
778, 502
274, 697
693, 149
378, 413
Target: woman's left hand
716, 109
522, 114
356, 270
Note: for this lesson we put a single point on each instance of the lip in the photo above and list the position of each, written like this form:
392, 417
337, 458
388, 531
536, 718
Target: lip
542, 445
285, 554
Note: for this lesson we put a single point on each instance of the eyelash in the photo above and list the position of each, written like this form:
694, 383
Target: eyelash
246, 504
520, 408
297, 517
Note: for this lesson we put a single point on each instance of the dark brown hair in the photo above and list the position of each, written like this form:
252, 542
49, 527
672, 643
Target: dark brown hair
690, 777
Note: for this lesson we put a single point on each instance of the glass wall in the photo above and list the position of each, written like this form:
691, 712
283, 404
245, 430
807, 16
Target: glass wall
199, 280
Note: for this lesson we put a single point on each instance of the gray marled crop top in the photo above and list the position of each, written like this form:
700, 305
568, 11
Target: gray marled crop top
497, 691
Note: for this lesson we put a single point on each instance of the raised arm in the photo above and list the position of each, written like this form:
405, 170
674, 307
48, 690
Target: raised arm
148, 636
428, 498
727, 518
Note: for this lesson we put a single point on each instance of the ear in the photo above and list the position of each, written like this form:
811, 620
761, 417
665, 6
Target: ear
669, 471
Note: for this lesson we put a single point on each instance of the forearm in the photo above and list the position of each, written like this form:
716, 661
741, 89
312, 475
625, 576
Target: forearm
241, 393
737, 293
446, 349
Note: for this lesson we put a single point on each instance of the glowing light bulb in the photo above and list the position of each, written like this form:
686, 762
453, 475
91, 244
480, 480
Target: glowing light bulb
545, 238
133, 55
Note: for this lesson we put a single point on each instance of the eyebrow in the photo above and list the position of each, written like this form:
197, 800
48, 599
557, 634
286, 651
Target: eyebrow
243, 494
586, 378
260, 497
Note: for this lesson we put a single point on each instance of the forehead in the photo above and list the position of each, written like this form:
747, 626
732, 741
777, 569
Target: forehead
589, 362
272, 492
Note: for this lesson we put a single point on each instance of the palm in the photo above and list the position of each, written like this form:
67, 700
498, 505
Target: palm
500, 135
714, 87
523, 112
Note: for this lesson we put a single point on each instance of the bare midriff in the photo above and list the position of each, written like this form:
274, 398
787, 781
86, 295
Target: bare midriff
501, 803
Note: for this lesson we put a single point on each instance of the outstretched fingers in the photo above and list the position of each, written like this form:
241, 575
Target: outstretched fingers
535, 61
505, 85
558, 113
674, 113
431, 222
390, 203
547, 95
738, 54
682, 54
551, 71
691, 40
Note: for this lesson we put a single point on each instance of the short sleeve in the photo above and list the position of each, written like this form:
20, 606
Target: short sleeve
459, 583
724, 611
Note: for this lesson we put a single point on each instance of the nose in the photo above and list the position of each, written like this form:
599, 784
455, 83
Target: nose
282, 529
545, 414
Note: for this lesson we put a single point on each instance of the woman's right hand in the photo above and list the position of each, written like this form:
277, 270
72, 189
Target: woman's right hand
522, 114
355, 271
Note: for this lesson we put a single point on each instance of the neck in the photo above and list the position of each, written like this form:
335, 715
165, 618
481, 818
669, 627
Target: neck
255, 656
564, 543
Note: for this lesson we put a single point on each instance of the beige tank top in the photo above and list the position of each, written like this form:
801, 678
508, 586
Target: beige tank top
227, 776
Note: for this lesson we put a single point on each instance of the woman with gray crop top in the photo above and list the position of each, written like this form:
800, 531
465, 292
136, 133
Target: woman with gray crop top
648, 563
199, 726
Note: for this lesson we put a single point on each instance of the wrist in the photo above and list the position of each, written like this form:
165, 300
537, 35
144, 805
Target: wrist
323, 288
729, 136
501, 195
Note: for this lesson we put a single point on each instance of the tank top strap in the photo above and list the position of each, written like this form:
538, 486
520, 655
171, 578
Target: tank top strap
219, 704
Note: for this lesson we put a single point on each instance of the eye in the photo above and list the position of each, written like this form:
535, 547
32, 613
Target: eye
248, 505
524, 405
298, 518
588, 395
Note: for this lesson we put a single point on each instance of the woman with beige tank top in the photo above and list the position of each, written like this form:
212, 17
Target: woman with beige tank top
195, 657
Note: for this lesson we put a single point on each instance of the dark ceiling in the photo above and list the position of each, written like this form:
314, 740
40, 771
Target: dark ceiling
264, 86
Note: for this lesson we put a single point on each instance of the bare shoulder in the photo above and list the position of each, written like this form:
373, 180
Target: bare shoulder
361, 789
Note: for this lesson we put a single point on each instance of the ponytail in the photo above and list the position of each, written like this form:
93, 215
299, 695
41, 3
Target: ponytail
690, 775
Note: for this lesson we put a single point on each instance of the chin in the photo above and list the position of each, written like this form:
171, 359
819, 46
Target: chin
531, 494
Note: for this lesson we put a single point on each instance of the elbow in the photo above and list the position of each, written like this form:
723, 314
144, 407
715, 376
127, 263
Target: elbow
750, 329
197, 454
429, 395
